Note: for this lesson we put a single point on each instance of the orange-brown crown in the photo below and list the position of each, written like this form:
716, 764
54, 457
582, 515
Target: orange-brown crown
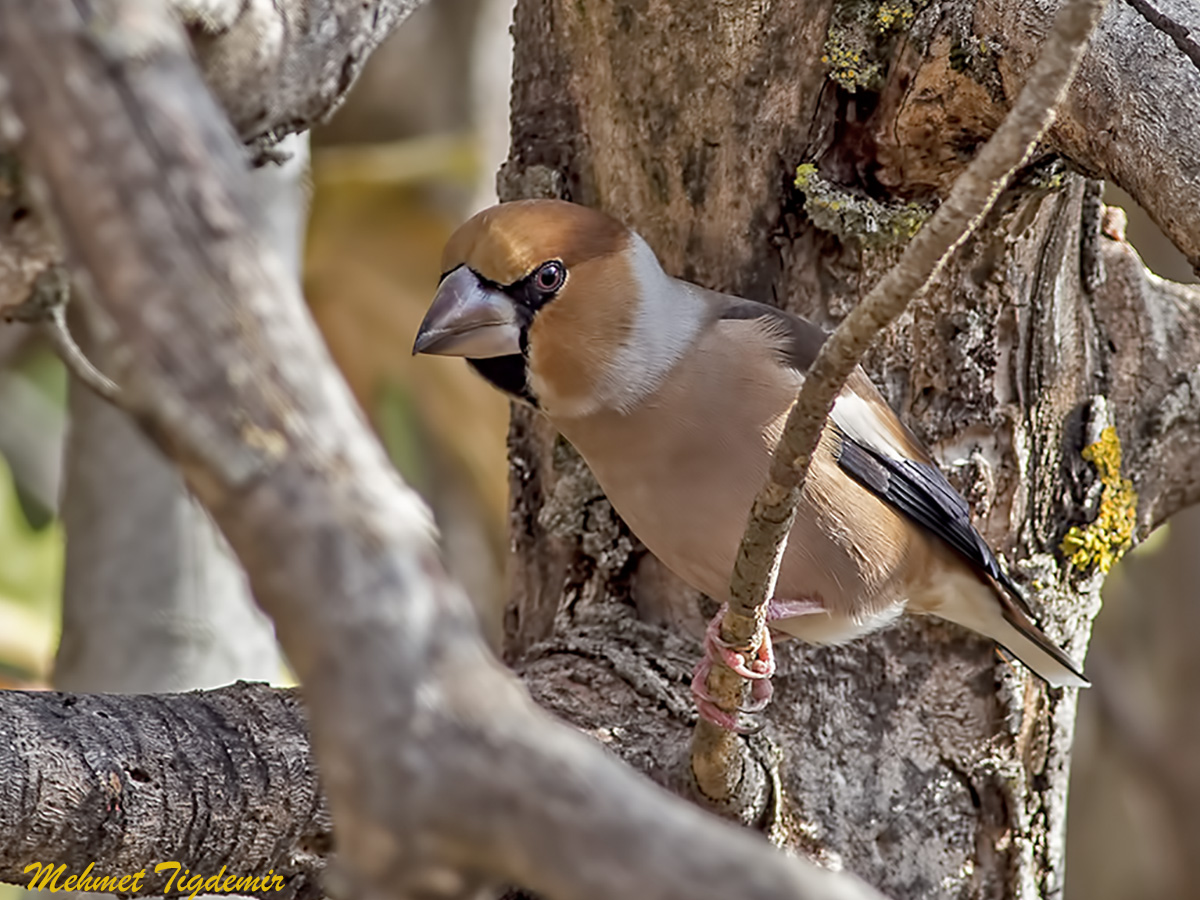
506, 242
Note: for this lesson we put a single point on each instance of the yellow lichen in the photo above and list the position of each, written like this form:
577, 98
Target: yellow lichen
892, 15
848, 68
1104, 540
804, 172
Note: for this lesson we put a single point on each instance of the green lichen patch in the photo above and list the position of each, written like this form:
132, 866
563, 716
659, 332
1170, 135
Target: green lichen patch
1105, 540
971, 54
859, 40
848, 215
976, 58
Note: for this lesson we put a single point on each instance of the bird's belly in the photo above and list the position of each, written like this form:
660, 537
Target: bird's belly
692, 516
694, 533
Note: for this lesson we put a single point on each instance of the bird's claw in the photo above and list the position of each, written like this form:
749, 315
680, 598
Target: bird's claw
760, 668
760, 694
757, 671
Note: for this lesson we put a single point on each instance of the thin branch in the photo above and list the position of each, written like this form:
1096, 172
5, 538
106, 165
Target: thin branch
439, 769
46, 309
1176, 31
716, 753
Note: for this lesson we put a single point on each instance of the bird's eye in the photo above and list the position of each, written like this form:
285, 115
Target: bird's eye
549, 277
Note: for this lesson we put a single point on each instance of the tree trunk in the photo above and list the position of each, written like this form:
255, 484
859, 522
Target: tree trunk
783, 152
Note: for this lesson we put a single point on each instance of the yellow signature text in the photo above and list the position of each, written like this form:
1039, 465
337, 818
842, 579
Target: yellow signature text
181, 881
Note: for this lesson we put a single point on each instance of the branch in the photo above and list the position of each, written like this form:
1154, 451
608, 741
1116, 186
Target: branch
279, 67
440, 771
1154, 338
212, 780
1181, 36
1131, 123
716, 753
46, 307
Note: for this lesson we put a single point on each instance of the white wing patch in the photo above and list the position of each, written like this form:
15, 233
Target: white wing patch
858, 419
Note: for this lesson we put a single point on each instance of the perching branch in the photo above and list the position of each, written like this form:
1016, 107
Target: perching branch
716, 756
440, 772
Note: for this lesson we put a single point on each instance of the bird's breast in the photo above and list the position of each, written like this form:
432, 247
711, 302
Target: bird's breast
682, 470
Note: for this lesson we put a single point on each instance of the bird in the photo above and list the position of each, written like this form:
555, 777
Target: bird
675, 396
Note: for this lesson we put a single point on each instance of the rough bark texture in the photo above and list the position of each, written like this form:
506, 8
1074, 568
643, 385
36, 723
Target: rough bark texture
26, 247
913, 758
279, 67
440, 773
131, 782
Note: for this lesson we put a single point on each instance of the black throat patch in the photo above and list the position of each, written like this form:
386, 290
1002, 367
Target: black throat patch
508, 374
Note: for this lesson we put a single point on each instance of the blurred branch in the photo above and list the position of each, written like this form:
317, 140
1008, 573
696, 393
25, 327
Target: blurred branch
717, 760
1133, 730
12, 339
1151, 755
439, 769
31, 438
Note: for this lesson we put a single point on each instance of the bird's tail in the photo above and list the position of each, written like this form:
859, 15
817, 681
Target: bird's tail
1030, 645
999, 618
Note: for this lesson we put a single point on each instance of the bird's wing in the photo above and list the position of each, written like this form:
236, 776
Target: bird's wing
873, 447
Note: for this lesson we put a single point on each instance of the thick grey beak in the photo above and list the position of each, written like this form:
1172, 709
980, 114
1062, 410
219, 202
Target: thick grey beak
468, 319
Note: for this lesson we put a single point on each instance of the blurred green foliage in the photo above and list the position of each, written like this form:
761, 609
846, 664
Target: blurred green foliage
31, 562
31, 553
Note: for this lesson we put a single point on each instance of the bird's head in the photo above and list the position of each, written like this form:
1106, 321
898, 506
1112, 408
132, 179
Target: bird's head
559, 305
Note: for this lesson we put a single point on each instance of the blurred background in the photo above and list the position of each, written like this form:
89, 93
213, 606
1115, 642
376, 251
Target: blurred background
391, 175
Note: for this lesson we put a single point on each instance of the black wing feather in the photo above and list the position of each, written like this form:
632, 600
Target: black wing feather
921, 492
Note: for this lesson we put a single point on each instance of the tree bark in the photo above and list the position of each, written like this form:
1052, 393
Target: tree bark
224, 779
279, 67
912, 758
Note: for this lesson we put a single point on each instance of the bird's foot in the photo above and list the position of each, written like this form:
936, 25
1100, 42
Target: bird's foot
762, 666
760, 696
757, 670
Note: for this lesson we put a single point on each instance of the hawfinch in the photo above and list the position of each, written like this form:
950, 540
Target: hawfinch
675, 396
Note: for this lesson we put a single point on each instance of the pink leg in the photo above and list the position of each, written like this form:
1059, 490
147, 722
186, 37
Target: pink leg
758, 670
